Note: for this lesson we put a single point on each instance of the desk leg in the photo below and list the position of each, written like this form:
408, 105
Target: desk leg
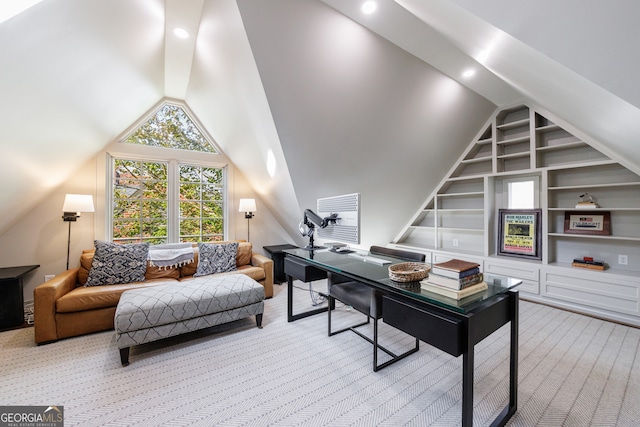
467, 382
508, 412
513, 365
289, 298
292, 317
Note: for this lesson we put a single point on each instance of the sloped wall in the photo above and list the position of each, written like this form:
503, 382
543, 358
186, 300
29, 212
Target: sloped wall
356, 114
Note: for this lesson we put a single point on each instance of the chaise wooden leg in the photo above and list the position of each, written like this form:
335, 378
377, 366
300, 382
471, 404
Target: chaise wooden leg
259, 320
124, 356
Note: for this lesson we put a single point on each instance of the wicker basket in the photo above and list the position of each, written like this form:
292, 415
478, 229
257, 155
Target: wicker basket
408, 271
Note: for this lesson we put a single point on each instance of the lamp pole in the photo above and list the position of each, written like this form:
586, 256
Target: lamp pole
248, 206
68, 244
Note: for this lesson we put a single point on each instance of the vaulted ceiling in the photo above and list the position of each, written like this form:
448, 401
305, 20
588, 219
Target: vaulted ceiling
341, 102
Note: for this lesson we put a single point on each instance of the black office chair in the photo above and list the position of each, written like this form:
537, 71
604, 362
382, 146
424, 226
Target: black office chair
368, 301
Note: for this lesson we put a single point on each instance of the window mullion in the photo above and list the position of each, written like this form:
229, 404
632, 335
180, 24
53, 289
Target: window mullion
173, 204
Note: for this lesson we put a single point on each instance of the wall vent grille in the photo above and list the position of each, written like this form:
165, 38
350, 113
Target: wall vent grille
347, 227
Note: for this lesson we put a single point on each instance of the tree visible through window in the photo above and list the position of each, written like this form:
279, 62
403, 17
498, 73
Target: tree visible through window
143, 192
139, 201
201, 204
171, 127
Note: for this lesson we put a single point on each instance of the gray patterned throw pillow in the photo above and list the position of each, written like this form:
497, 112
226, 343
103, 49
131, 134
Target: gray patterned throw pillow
115, 264
216, 258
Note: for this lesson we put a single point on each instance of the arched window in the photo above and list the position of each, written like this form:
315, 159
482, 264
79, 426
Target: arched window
167, 197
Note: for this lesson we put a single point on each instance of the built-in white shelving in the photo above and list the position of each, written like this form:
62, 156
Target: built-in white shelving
460, 218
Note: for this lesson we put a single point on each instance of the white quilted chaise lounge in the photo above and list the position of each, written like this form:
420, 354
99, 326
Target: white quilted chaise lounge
149, 314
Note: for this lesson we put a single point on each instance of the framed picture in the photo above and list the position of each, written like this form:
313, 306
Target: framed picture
585, 222
519, 233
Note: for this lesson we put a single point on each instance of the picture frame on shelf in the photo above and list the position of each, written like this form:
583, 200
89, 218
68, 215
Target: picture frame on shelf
587, 222
519, 233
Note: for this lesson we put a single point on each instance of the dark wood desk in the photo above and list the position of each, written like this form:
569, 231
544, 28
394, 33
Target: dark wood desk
277, 255
11, 295
454, 327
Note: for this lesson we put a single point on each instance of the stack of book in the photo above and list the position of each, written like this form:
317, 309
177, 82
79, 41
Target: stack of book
455, 279
587, 205
588, 262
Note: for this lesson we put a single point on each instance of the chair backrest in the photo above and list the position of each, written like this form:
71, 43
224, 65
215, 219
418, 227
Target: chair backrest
415, 256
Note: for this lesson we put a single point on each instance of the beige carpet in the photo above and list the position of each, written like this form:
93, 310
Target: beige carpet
574, 371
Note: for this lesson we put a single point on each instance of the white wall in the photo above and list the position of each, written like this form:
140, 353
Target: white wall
40, 237
356, 114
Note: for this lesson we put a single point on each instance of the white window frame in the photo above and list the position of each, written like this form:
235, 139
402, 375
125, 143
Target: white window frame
524, 178
104, 173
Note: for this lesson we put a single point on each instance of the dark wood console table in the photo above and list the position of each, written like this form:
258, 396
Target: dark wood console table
11, 295
452, 326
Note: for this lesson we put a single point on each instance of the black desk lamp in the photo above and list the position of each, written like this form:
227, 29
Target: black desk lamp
73, 205
310, 221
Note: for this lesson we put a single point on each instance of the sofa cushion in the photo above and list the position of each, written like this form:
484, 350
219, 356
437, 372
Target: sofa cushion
216, 258
152, 272
106, 296
85, 265
256, 273
243, 257
161, 272
116, 264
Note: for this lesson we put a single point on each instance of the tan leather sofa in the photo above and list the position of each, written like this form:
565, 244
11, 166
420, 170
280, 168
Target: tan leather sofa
64, 307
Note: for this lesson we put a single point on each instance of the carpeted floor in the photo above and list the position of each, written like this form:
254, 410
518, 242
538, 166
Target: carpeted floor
574, 371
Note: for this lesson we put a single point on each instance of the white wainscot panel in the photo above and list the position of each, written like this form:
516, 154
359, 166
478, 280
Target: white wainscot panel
605, 292
513, 269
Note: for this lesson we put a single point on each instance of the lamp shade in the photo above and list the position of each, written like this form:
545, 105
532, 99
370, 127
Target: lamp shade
78, 203
247, 205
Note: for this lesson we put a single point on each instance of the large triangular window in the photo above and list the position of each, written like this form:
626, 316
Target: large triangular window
171, 127
161, 196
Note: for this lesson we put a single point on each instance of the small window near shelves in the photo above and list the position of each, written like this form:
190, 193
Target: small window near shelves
522, 193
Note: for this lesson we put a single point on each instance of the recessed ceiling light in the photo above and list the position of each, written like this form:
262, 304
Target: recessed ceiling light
181, 32
369, 7
469, 73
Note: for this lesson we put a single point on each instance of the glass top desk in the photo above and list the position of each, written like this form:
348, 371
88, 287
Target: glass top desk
453, 326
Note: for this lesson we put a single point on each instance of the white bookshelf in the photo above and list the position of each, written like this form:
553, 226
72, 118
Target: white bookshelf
459, 218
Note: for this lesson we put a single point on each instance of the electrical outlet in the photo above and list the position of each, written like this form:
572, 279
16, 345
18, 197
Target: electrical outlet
48, 277
623, 259
455, 243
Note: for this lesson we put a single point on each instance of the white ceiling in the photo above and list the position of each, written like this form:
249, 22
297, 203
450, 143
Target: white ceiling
77, 73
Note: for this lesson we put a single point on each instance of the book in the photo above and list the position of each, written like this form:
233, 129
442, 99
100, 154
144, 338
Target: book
457, 295
455, 274
455, 284
456, 265
586, 205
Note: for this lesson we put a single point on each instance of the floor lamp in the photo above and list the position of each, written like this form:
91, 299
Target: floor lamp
71, 208
248, 206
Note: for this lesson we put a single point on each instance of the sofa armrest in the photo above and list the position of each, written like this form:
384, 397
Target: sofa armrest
265, 263
44, 304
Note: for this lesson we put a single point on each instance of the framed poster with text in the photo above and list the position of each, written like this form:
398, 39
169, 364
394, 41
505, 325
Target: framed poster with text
585, 222
519, 233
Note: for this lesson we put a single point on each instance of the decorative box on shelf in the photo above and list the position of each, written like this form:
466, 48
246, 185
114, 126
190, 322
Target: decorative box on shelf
588, 262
